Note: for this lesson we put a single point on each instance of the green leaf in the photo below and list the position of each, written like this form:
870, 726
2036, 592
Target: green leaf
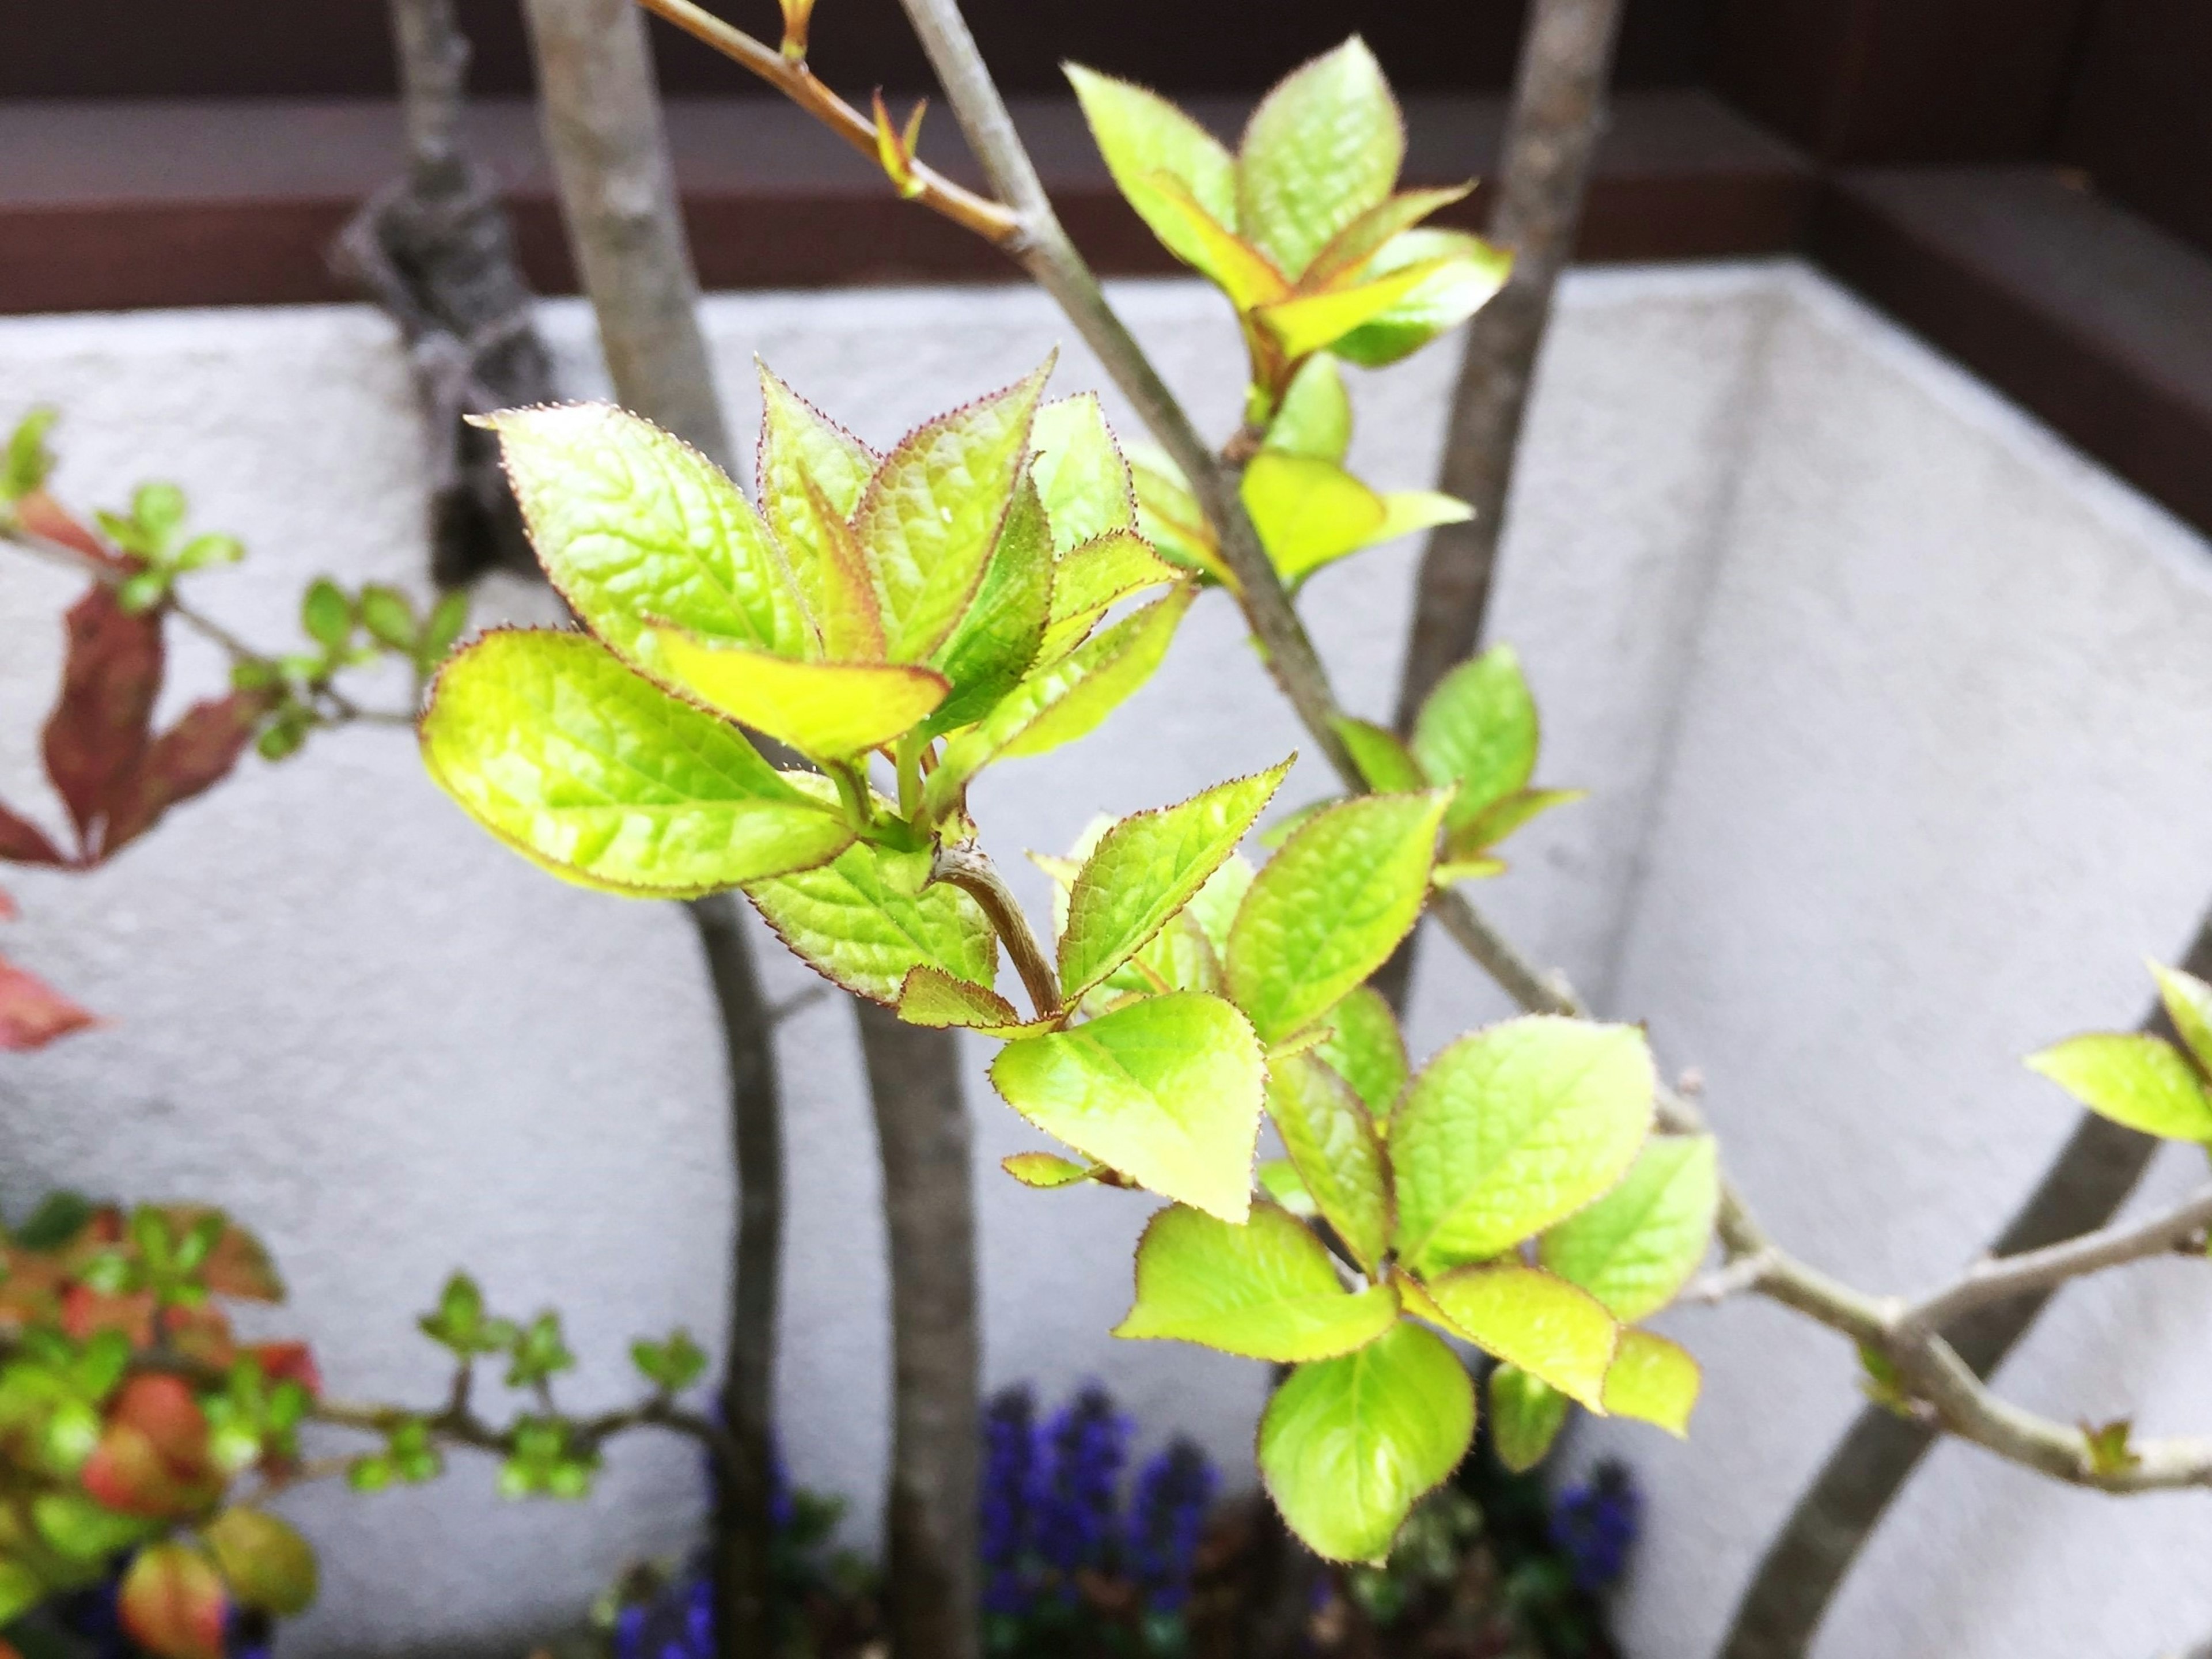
2136, 1080
1279, 1179
1363, 1046
607, 781
1349, 1445
1308, 511
1170, 519
2188, 1002
1324, 147
1044, 1170
1332, 1142
931, 515
1214, 908
1478, 729
1091, 579
1063, 700
1512, 1129
1330, 908
1167, 1091
538, 1352
931, 997
1466, 273
1231, 263
1554, 1331
1653, 1381
1638, 1245
29, 462
1502, 817
1315, 417
448, 618
1344, 261
1305, 323
1526, 1416
1003, 633
1384, 760
1408, 512
632, 523
1141, 136
1147, 868
1266, 1290
85, 1530
671, 1366
387, 615
810, 474
865, 921
326, 614
1079, 473
829, 710
266, 1563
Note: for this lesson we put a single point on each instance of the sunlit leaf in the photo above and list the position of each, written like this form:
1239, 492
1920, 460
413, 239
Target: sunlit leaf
1307, 512
1194, 235
1079, 472
1043, 1171
1093, 578
1466, 273
1266, 1290
1478, 729
1558, 1333
1324, 147
930, 996
1170, 518
866, 922
1637, 1245
1142, 136
2137, 1080
830, 710
1348, 252
1305, 323
810, 473
1653, 1381
2188, 1003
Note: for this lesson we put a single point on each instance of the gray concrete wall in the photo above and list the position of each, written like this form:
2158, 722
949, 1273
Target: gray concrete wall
1887, 698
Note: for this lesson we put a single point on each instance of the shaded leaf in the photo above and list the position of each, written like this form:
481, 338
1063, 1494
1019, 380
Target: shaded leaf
1093, 579
1344, 259
1363, 1046
266, 1563
1502, 817
1332, 1143
102, 720
1385, 764
187, 760
866, 922
1526, 1416
1478, 729
1313, 418
1279, 1179
810, 472
1003, 632
23, 841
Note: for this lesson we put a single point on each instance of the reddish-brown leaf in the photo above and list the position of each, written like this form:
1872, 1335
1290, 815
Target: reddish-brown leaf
288, 1361
42, 515
23, 841
32, 1013
172, 1602
102, 722
195, 754
152, 1459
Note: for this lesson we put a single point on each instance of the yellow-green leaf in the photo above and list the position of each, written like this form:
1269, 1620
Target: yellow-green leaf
1324, 146
866, 920
1555, 1332
1305, 323
1167, 1091
1194, 235
1408, 512
931, 515
1140, 135
1332, 1143
1044, 1170
1091, 579
1502, 817
1279, 1179
1343, 260
1147, 868
1466, 273
1266, 1290
1328, 909
1478, 729
1512, 1129
600, 776
1002, 634
1653, 1381
1308, 511
1170, 518
1349, 1445
264, 1559
829, 710
1363, 1046
1315, 417
930, 996
2135, 1079
1637, 1245
633, 525
810, 474
1384, 762
1079, 472
2188, 1002
1526, 1416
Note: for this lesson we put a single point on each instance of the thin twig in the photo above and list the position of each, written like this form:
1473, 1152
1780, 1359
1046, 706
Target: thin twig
1995, 1279
967, 869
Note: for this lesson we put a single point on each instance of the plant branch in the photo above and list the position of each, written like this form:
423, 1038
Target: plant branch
967, 869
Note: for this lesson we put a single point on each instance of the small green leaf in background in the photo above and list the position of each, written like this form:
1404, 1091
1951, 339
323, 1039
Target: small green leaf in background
1385, 763
931, 515
2188, 1001
449, 618
1143, 138
1079, 473
1147, 868
1364, 1046
632, 523
1349, 1445
2136, 1080
326, 614
1653, 1381
1328, 909
1466, 273
1637, 1245
1266, 1290
1478, 729
1502, 817
1332, 1143
1526, 1416
1167, 1091
1324, 147
1554, 1331
388, 615
459, 1321
1308, 511
830, 710
28, 462
539, 1353
266, 1563
603, 778
671, 1366
1044, 1170
1512, 1129
84, 1529
864, 922
1315, 417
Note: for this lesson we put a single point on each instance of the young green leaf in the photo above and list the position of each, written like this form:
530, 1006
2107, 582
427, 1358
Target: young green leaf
1167, 1091
1478, 729
1502, 817
1653, 1381
2188, 1002
1364, 1046
1465, 274
930, 516
1079, 473
1344, 261
1324, 147
1385, 763
1349, 1445
1231, 263
1143, 137
1147, 868
1409, 512
1638, 1245
1512, 1129
603, 778
1526, 1416
326, 614
1305, 323
28, 461
1332, 1143
1330, 908
2139, 1081
866, 922
1307, 512
1554, 1331
930, 996
809, 473
1091, 579
1315, 417
1003, 633
1279, 1179
1044, 1170
633, 524
829, 710
1265, 1290
1063, 700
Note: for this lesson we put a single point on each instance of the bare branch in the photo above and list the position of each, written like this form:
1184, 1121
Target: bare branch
1995, 1279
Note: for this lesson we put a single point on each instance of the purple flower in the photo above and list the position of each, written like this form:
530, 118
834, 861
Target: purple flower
1008, 1498
1087, 1442
1167, 1518
1594, 1522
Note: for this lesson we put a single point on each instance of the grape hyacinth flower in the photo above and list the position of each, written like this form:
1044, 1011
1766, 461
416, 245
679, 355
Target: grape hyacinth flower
1009, 1493
1088, 1441
1167, 1517
1594, 1522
